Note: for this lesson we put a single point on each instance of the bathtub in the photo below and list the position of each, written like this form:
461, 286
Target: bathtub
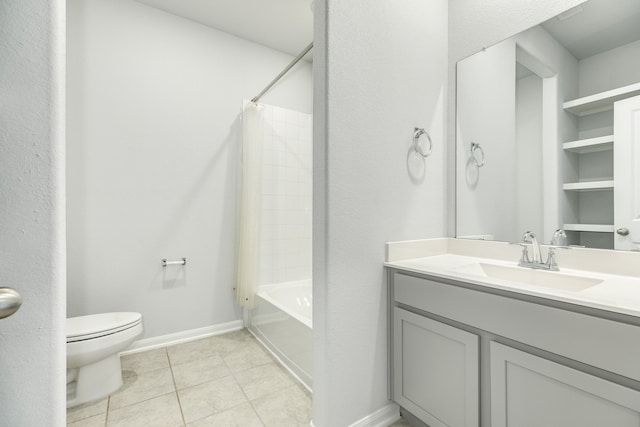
282, 320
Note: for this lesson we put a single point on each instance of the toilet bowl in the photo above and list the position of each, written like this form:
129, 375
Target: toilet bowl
94, 344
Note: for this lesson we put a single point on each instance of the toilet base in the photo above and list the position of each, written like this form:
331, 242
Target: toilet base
94, 381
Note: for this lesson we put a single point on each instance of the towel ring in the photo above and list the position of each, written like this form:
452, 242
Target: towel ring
417, 134
477, 148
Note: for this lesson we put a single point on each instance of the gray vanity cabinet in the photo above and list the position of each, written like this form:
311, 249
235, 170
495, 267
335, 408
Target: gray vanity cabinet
436, 370
464, 356
530, 391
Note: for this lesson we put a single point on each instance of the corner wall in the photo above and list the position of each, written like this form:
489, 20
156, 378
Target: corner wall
32, 243
380, 70
154, 110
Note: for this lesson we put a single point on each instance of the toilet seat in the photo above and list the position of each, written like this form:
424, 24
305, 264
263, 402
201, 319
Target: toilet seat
83, 328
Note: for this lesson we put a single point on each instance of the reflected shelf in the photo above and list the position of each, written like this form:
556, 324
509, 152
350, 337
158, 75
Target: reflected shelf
590, 145
594, 228
588, 186
602, 101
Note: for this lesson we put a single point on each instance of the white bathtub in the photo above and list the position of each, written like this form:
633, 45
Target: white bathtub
282, 321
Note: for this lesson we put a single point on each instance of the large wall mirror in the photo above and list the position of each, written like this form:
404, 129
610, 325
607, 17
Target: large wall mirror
548, 131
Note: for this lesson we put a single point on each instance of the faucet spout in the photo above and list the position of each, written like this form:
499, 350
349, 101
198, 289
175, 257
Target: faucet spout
529, 237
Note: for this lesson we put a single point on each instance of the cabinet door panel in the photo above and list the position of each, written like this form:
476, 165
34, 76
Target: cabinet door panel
529, 391
627, 172
435, 371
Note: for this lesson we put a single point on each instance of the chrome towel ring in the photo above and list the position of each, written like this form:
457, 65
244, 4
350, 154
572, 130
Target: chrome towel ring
418, 134
477, 159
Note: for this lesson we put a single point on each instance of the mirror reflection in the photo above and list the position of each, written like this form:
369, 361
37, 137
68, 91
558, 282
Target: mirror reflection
548, 131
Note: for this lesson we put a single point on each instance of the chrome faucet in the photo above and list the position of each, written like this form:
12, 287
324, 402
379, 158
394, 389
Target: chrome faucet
559, 238
529, 237
536, 261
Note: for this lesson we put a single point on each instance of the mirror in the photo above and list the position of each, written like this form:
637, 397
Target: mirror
536, 120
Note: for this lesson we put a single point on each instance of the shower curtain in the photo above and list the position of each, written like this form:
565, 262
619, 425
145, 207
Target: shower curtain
248, 245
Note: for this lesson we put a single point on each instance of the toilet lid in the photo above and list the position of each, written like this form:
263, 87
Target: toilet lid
97, 325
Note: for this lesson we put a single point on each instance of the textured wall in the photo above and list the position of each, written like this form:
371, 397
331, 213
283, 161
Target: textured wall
380, 71
32, 349
154, 110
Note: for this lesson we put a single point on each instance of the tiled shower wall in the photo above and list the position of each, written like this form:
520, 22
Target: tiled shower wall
286, 196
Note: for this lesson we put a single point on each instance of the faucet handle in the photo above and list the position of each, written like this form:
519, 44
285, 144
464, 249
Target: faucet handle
551, 257
525, 251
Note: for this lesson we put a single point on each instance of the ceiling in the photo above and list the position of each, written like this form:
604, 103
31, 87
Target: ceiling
596, 26
287, 25
284, 25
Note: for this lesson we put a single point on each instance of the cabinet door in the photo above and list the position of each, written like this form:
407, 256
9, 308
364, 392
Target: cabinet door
529, 391
627, 172
435, 371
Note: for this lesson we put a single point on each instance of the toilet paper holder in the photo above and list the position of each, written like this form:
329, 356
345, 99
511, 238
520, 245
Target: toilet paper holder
166, 263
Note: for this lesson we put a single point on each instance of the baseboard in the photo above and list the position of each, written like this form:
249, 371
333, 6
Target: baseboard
384, 416
184, 336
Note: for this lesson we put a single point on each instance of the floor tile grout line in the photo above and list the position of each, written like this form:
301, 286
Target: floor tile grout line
106, 415
224, 410
175, 387
249, 401
231, 373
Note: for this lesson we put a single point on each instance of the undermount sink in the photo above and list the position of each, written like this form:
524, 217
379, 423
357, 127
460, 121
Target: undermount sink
542, 278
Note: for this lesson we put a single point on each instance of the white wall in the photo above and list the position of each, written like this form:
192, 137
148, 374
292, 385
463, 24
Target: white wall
559, 70
610, 69
380, 70
154, 105
529, 170
32, 349
486, 116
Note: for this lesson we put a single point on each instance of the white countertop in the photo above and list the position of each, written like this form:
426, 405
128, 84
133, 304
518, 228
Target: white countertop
618, 293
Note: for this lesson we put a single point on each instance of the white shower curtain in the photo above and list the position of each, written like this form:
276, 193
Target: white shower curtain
248, 244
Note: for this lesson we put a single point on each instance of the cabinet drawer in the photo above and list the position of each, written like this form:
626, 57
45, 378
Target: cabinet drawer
529, 391
435, 371
603, 343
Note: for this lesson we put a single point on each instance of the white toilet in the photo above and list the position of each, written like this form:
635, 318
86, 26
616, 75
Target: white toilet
93, 360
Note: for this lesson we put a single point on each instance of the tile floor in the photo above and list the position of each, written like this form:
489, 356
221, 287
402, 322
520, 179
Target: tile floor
226, 380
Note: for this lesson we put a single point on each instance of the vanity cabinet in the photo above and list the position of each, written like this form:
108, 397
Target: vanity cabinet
530, 391
467, 355
436, 370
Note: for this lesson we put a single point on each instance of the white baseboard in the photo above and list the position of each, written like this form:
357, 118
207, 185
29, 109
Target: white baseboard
384, 416
184, 336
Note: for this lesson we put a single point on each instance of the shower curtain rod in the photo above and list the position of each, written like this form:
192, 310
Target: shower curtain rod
283, 72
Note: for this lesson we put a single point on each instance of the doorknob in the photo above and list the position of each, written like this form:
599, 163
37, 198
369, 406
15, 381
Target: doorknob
623, 231
10, 302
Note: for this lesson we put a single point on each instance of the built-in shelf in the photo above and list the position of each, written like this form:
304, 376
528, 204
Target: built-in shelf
588, 186
590, 145
602, 101
594, 228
